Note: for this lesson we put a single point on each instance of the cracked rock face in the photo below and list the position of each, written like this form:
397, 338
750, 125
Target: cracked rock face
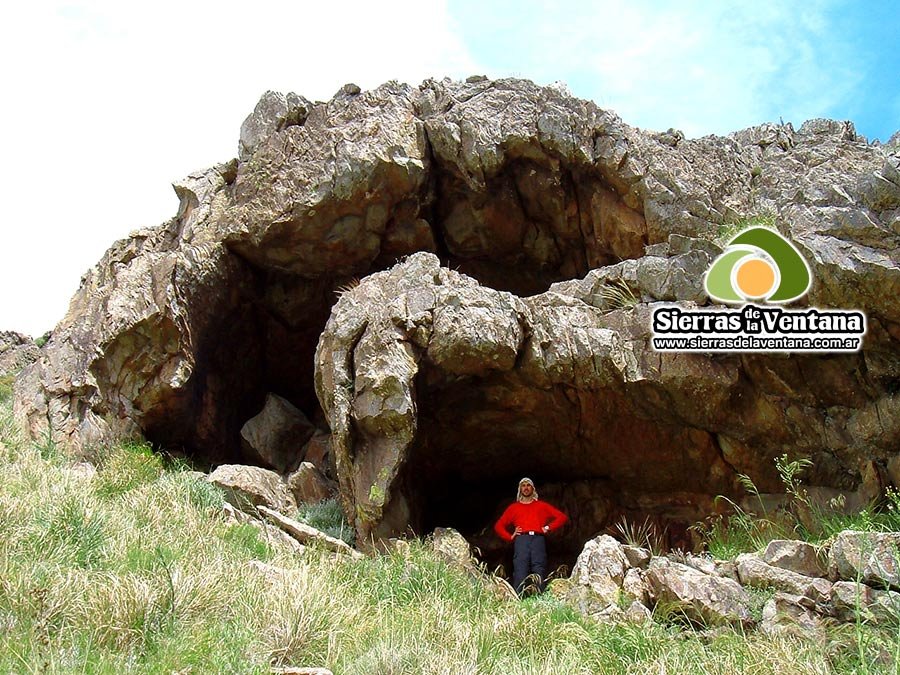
491, 350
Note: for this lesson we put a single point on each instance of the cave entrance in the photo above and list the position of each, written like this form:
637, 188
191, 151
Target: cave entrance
537, 220
588, 456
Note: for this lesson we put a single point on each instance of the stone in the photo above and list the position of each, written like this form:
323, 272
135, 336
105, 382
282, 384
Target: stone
753, 571
637, 612
636, 556
796, 556
702, 598
276, 435
870, 557
784, 614
309, 486
249, 487
16, 352
82, 471
452, 547
309, 535
273, 113
634, 587
700, 563
317, 452
851, 601
727, 569
600, 569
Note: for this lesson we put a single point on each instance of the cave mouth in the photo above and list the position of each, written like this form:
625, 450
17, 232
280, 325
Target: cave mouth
538, 220
587, 453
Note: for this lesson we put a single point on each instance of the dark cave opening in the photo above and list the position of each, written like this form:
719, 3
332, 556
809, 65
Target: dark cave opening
536, 221
478, 436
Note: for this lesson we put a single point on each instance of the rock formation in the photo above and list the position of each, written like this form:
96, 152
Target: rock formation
16, 352
492, 349
701, 590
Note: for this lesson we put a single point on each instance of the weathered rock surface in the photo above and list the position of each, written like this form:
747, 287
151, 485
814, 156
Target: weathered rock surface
276, 436
494, 340
870, 557
16, 352
599, 573
317, 452
796, 556
453, 548
309, 485
785, 614
700, 597
249, 487
852, 601
753, 571
636, 555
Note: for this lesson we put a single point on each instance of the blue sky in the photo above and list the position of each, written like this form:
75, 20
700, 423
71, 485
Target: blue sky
703, 67
107, 102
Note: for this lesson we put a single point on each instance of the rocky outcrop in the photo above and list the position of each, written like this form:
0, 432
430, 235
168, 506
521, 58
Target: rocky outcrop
605, 580
16, 352
699, 597
496, 347
796, 556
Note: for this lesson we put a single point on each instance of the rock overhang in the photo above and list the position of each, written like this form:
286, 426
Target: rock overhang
181, 331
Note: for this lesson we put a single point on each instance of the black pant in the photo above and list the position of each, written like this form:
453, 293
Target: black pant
529, 557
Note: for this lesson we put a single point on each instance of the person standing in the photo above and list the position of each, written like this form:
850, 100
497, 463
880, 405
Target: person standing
525, 523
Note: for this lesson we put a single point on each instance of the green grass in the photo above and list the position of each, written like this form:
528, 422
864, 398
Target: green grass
137, 570
327, 517
748, 531
6, 386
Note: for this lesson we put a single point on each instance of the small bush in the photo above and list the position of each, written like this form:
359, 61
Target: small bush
71, 533
126, 467
327, 517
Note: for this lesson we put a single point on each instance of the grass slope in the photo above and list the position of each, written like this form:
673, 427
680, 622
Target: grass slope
136, 570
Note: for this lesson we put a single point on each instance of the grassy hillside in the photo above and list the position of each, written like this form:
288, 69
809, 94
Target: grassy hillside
137, 570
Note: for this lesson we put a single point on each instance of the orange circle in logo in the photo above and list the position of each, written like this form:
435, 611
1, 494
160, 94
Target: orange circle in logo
755, 278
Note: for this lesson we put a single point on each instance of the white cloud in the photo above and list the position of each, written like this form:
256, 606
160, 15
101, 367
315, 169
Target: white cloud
703, 67
109, 102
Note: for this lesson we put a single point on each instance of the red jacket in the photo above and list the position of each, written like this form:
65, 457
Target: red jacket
530, 517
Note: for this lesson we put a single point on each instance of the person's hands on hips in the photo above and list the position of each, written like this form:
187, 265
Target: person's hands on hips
546, 529
517, 532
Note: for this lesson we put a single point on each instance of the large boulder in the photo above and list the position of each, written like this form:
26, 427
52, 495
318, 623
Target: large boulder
600, 572
699, 597
870, 557
277, 435
535, 233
